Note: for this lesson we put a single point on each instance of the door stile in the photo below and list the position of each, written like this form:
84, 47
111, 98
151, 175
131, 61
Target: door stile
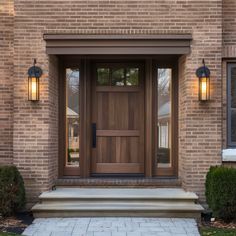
148, 137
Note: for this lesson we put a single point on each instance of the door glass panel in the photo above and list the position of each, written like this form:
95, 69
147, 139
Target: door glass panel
72, 117
164, 117
132, 76
103, 76
118, 77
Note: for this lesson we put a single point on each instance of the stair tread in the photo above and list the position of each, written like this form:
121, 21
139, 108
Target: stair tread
118, 207
119, 193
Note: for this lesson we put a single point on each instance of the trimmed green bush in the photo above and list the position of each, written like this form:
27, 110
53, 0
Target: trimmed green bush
12, 191
221, 192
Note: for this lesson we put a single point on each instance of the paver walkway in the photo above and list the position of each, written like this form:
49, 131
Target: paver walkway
113, 226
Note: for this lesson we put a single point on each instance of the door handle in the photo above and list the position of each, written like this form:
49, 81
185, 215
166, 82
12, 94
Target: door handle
94, 135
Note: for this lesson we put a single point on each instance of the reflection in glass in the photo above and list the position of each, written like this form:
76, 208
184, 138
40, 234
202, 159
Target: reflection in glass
72, 116
132, 75
103, 76
118, 77
233, 125
164, 117
233, 87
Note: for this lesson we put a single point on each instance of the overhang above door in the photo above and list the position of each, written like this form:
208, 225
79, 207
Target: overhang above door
74, 44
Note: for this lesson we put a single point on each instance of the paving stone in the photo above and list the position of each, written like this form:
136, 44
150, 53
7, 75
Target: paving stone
177, 230
112, 226
61, 233
134, 233
119, 234
102, 234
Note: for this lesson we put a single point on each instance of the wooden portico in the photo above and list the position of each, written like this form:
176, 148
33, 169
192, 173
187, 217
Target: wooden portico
119, 133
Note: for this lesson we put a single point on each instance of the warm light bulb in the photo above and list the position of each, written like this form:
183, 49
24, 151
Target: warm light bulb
34, 89
204, 88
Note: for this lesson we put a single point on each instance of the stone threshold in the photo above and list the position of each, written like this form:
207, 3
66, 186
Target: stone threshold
119, 182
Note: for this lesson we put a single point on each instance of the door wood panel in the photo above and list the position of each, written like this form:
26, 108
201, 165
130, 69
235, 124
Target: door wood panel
118, 112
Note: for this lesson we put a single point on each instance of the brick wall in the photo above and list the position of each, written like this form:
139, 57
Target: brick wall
229, 29
35, 124
7, 77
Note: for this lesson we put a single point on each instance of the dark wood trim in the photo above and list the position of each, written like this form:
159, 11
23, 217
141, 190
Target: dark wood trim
148, 119
175, 120
119, 133
116, 36
117, 44
117, 51
86, 160
61, 130
121, 168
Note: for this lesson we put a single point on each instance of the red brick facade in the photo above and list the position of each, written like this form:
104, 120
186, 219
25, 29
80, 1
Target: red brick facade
29, 131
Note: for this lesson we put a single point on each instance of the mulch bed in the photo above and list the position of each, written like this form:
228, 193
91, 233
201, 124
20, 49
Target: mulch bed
16, 224
218, 223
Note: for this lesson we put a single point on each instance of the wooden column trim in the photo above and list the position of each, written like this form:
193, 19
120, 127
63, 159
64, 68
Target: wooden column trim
86, 120
148, 120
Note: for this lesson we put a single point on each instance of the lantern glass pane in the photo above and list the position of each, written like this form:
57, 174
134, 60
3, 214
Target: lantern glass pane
204, 89
33, 89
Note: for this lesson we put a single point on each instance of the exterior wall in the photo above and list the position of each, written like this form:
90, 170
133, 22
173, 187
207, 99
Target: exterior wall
7, 77
229, 29
35, 124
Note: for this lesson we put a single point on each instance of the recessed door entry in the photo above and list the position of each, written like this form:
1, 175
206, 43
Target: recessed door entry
118, 118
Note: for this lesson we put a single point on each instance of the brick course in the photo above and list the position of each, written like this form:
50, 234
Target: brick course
6, 77
35, 124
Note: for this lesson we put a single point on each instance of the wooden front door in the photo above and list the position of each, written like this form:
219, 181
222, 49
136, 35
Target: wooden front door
118, 118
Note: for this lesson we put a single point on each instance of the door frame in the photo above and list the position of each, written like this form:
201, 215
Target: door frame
84, 63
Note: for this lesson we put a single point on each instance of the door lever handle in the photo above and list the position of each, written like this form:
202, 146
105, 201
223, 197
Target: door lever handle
94, 135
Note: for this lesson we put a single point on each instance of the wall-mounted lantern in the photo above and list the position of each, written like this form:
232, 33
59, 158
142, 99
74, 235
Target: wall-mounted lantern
34, 73
203, 74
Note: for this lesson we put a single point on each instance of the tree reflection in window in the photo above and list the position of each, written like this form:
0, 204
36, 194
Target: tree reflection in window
164, 117
72, 116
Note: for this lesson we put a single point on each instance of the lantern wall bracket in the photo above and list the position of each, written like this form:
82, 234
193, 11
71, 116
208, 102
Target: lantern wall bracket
35, 71
203, 71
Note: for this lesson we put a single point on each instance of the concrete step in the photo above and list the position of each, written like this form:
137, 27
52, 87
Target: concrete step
68, 194
72, 202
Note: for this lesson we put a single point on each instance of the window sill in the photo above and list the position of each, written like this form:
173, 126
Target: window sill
229, 155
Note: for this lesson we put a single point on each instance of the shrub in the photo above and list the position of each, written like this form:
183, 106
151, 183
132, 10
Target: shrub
12, 191
221, 192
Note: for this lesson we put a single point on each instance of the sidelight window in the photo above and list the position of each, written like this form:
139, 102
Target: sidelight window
232, 104
164, 116
72, 117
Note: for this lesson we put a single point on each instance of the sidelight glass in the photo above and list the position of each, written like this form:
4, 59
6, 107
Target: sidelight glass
72, 117
232, 105
164, 76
